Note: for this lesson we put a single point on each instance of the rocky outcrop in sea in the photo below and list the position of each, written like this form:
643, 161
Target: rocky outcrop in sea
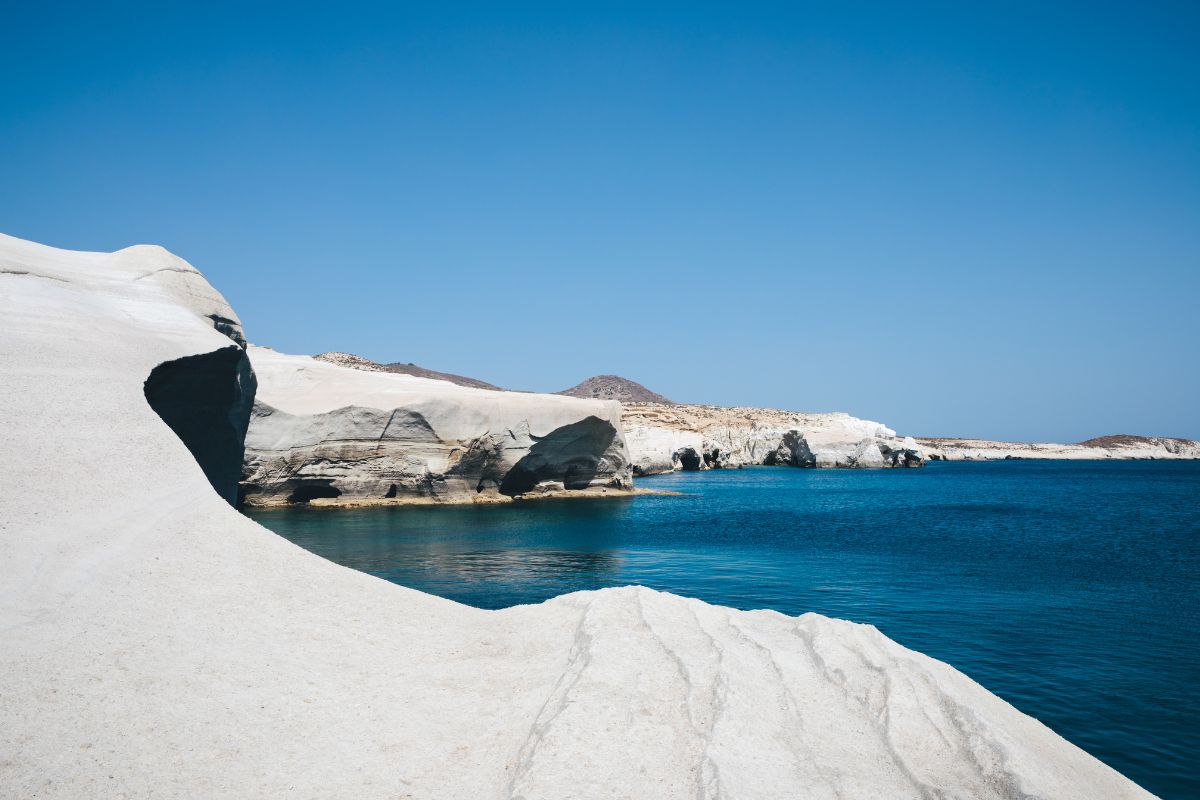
693, 437
349, 434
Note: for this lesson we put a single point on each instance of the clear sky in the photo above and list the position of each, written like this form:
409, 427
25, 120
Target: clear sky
958, 218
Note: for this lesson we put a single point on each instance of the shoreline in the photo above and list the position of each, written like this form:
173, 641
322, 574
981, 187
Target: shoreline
333, 503
327, 503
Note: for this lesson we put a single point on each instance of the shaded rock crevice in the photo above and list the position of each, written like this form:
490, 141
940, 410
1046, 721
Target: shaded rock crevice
206, 400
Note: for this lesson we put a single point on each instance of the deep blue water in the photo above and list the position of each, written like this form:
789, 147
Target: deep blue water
1068, 588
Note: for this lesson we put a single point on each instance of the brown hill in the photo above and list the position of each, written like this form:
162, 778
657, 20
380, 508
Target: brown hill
614, 387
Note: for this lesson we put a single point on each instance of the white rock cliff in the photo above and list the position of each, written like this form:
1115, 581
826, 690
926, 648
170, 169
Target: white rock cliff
334, 434
663, 438
156, 643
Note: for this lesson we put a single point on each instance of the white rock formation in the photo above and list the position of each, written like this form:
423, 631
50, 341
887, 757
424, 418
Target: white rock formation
663, 438
1104, 447
158, 644
333, 434
659, 448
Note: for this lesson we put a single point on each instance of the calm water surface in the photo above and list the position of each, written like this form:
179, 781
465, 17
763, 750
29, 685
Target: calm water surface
1069, 589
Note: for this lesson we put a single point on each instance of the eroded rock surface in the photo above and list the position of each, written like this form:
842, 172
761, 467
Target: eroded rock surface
336, 435
666, 438
159, 644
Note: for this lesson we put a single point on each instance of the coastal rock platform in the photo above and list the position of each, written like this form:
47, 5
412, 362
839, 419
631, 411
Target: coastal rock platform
333, 434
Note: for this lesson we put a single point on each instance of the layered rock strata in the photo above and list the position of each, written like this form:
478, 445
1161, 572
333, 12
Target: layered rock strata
330, 434
689, 437
1121, 446
159, 644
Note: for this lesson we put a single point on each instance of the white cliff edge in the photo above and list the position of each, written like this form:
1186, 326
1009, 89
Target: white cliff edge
333, 434
664, 438
1104, 447
159, 644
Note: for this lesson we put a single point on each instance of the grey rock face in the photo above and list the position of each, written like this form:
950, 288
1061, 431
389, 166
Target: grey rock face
333, 435
664, 439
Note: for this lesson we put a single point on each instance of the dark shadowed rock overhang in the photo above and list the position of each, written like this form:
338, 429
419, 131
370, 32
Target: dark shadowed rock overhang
206, 400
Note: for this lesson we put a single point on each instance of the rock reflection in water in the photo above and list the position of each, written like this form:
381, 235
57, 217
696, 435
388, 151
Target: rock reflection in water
487, 556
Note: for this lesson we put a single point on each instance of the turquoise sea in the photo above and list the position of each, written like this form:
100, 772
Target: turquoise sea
1070, 589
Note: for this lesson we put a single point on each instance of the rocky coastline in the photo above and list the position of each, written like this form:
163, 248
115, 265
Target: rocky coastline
159, 643
344, 435
341, 430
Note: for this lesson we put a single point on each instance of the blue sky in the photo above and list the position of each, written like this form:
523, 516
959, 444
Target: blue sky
959, 219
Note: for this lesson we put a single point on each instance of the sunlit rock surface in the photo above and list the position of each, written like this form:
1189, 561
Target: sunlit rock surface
158, 644
1121, 446
331, 434
663, 438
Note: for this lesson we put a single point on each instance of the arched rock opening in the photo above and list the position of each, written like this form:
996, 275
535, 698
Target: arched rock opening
312, 490
689, 460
